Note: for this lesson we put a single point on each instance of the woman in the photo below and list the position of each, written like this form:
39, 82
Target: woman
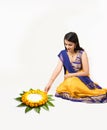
77, 85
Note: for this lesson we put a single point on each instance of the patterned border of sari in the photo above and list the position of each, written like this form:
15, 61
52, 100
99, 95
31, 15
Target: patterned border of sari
90, 99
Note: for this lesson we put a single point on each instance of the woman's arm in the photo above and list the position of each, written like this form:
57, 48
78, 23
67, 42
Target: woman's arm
85, 67
54, 75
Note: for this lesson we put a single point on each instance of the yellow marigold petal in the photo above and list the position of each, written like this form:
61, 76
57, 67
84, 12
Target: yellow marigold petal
34, 103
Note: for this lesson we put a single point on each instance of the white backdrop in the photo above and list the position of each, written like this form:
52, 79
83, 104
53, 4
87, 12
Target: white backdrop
31, 36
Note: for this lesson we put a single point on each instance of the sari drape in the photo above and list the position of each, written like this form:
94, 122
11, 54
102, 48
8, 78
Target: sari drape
68, 66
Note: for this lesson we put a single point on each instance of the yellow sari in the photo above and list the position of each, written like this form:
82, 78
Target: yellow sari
76, 90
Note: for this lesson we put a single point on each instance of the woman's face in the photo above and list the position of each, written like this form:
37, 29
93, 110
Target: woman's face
70, 46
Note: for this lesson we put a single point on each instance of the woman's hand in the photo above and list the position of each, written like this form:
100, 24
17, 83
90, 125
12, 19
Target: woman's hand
67, 75
47, 88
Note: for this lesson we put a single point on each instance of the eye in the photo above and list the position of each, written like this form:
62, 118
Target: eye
68, 44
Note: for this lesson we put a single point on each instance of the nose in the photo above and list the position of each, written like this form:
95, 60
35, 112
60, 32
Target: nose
67, 46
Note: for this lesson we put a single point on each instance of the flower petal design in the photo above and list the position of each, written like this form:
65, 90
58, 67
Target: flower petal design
35, 99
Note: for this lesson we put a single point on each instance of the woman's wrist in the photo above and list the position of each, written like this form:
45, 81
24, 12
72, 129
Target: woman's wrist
73, 74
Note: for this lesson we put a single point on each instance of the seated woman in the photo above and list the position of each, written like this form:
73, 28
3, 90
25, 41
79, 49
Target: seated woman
77, 85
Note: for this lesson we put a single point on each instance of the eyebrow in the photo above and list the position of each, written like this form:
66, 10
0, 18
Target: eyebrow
68, 43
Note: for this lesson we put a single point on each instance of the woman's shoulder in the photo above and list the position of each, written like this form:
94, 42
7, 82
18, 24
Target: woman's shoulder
82, 53
62, 51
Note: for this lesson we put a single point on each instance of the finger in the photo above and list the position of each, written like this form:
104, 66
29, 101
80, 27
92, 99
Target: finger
46, 90
64, 77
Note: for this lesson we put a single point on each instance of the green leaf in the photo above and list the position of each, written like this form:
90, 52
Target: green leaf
37, 109
22, 93
50, 104
21, 105
28, 109
30, 89
45, 106
50, 99
18, 99
50, 95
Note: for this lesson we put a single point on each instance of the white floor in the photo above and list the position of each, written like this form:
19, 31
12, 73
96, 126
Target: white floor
65, 115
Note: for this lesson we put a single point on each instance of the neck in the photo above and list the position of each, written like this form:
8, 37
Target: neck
72, 53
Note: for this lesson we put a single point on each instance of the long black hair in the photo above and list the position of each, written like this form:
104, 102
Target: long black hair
72, 37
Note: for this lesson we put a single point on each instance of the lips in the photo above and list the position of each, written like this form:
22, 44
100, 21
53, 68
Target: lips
68, 49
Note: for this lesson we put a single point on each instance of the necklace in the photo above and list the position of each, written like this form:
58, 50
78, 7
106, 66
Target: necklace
72, 55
